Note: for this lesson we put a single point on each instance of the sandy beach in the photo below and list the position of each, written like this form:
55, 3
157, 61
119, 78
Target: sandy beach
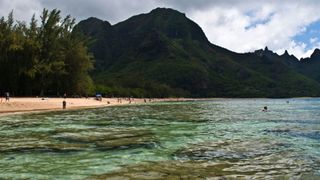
23, 105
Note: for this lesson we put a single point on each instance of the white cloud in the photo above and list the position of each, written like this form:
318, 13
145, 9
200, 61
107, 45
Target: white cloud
23, 10
240, 26
279, 23
314, 40
110, 10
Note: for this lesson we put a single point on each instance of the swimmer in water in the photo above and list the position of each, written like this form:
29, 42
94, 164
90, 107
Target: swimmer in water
265, 109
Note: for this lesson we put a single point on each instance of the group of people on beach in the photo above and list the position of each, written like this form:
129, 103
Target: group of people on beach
130, 99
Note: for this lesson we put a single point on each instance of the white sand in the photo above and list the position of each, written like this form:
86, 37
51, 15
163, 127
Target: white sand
18, 105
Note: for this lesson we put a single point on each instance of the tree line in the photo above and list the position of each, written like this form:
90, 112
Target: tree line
44, 58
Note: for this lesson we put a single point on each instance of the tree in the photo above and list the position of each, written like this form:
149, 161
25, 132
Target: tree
48, 58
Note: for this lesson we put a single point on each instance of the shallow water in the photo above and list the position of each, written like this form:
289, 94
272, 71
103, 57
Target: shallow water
229, 138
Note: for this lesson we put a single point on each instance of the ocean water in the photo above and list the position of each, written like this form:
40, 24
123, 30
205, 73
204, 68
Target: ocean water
229, 138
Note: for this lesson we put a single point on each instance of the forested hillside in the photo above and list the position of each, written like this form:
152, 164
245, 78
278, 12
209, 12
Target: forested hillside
163, 53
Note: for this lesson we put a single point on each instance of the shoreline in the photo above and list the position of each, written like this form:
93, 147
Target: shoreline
24, 105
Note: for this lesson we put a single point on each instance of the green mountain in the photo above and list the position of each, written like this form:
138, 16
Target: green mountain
310, 66
165, 54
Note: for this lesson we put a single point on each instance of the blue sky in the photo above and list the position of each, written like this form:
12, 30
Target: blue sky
238, 25
310, 35
258, 22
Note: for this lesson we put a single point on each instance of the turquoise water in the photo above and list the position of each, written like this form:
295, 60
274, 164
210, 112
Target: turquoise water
229, 138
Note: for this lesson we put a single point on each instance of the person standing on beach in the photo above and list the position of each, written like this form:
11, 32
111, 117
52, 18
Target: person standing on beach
65, 95
64, 104
7, 95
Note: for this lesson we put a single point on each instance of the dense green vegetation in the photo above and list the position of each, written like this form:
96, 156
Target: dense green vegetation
163, 53
45, 58
159, 54
310, 66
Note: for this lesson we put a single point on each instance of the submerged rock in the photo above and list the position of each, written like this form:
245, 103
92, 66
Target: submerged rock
103, 138
167, 170
279, 169
278, 165
277, 131
233, 150
296, 132
37, 143
252, 158
125, 143
64, 140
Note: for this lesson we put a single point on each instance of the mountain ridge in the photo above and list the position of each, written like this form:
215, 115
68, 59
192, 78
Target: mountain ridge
163, 53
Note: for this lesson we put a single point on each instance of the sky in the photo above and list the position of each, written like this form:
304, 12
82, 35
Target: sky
238, 25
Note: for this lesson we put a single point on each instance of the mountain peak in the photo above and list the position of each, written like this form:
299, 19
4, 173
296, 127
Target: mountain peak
316, 53
165, 21
289, 59
264, 52
165, 11
95, 21
285, 53
93, 26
